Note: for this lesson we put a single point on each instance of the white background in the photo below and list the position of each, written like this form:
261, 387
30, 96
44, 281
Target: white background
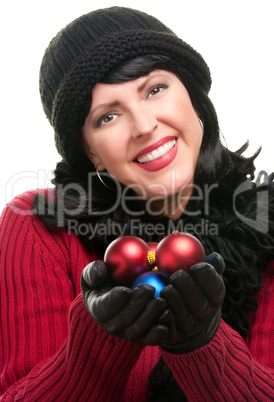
235, 37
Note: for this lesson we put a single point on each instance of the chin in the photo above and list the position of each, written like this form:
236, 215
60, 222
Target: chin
175, 183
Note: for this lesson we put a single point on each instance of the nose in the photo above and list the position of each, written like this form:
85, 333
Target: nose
144, 121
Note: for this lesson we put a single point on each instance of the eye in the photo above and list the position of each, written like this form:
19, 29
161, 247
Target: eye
105, 119
156, 89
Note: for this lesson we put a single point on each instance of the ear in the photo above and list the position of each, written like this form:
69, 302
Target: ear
95, 159
201, 123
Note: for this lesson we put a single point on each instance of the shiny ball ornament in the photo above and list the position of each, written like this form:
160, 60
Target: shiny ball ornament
178, 251
156, 279
126, 259
152, 245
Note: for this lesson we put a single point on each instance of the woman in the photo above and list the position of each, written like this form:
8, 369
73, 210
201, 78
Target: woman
141, 153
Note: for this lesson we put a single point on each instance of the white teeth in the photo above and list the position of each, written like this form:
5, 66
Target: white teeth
156, 153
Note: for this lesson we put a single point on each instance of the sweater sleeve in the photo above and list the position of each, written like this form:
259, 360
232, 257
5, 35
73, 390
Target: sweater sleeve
40, 308
229, 368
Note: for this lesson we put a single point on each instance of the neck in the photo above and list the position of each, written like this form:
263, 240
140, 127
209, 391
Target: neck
172, 206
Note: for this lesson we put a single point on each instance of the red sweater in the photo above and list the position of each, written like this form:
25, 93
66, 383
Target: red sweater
51, 349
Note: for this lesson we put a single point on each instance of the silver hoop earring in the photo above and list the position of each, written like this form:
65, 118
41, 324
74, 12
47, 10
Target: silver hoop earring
201, 123
100, 178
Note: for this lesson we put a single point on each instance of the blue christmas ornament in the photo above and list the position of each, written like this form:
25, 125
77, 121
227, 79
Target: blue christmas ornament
155, 278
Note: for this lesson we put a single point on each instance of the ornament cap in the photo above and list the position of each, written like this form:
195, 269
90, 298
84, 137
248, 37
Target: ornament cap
151, 257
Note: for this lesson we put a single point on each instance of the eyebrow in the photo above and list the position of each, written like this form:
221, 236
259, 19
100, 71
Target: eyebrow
117, 103
105, 105
142, 86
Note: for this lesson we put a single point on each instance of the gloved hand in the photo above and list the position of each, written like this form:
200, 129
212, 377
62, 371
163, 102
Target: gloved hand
194, 302
129, 314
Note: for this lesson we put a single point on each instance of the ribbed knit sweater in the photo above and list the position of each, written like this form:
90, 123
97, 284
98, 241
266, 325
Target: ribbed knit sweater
52, 350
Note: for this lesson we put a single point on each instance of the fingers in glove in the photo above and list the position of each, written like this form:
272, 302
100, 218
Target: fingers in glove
211, 283
217, 261
136, 303
166, 317
146, 320
174, 335
156, 336
93, 275
194, 299
183, 316
106, 304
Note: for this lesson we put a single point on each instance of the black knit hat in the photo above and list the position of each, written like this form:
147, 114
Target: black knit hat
85, 50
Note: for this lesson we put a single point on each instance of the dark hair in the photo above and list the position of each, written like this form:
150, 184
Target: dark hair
216, 163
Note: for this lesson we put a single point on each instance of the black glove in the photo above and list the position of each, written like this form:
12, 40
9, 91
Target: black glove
129, 314
194, 302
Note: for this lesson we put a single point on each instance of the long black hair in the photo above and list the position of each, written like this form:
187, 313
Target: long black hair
216, 163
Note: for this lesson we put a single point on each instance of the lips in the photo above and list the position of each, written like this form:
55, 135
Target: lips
158, 155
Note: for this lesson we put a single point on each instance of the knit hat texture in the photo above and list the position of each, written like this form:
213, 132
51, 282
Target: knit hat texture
83, 52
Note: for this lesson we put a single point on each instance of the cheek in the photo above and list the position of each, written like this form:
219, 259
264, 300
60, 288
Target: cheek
179, 112
109, 157
196, 138
193, 144
114, 160
101, 148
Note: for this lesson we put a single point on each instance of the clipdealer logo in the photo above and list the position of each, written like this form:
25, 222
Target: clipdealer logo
260, 221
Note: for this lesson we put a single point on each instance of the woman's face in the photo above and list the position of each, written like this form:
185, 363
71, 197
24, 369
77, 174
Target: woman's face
145, 133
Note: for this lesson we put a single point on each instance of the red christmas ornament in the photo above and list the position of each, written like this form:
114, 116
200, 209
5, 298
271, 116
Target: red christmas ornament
152, 245
178, 251
126, 258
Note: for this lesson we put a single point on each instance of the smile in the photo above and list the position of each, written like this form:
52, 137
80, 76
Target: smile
157, 153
